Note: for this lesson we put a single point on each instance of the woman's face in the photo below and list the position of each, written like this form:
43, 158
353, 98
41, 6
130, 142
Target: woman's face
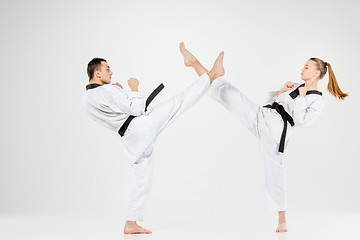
309, 71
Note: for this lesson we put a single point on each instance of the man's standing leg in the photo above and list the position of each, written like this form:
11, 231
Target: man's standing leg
143, 169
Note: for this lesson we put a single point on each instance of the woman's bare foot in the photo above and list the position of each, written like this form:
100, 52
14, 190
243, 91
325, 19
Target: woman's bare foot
191, 61
218, 69
282, 222
131, 227
281, 227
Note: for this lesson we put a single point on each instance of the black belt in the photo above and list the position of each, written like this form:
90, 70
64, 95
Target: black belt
286, 117
148, 101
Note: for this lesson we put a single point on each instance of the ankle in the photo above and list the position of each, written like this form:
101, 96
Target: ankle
211, 76
195, 63
131, 223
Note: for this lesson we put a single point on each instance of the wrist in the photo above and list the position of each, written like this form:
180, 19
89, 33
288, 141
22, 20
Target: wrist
134, 89
279, 92
283, 90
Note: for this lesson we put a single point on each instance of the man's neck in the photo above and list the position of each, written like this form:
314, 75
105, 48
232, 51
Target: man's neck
96, 81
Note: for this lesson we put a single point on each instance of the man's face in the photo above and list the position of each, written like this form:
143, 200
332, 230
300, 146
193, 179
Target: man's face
104, 73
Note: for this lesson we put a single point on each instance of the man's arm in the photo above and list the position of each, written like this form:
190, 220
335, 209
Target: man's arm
132, 103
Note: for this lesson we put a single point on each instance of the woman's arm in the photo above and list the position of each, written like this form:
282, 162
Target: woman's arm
287, 87
275, 94
306, 113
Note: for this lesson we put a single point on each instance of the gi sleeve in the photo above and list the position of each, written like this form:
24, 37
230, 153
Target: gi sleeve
271, 98
305, 113
132, 103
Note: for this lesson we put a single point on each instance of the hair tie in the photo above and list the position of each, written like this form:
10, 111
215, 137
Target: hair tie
326, 64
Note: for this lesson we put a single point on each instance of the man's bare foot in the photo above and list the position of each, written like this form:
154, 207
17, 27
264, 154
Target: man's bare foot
218, 69
189, 59
131, 227
281, 227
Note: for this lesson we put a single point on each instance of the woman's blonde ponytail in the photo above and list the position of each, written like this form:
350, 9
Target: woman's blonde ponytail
333, 86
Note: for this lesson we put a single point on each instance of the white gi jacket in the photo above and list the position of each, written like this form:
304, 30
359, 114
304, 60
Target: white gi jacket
110, 105
303, 110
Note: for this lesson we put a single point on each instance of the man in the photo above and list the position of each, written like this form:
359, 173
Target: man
111, 106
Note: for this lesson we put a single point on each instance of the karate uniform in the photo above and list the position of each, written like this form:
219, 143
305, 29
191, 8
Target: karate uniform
110, 105
267, 126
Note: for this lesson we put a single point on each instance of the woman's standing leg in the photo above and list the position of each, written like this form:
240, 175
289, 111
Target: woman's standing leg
275, 177
249, 114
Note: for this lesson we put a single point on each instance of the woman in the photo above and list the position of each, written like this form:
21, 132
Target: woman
294, 104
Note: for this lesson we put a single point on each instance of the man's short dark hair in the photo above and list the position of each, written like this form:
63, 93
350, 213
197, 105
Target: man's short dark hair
93, 65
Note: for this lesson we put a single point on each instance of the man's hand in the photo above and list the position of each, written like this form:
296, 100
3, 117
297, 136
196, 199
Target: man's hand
133, 84
118, 84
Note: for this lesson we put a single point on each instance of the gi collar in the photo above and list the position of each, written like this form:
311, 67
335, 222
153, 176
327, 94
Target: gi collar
92, 85
296, 93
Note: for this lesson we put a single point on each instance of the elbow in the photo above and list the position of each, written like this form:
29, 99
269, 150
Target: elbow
303, 122
137, 109
299, 121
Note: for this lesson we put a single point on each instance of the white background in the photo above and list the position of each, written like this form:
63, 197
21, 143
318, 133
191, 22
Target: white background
55, 160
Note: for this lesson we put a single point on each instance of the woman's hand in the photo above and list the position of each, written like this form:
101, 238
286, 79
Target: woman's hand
287, 87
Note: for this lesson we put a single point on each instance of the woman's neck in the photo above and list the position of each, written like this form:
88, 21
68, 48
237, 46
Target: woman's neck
311, 85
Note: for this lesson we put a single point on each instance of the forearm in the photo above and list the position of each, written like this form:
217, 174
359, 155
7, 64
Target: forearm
278, 93
137, 103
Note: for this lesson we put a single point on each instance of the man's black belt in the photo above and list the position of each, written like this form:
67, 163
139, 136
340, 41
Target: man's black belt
148, 101
286, 118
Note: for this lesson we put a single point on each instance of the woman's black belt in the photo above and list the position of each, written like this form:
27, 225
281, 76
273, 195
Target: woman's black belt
148, 101
286, 118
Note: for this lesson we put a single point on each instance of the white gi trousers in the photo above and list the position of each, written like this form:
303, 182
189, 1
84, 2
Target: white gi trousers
140, 137
254, 118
